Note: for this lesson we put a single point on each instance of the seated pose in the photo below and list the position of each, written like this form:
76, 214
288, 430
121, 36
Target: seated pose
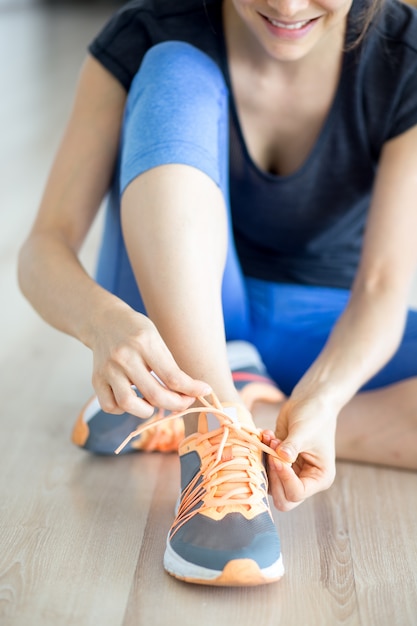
260, 158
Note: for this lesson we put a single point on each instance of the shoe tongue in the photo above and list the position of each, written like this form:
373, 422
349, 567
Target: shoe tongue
238, 413
209, 421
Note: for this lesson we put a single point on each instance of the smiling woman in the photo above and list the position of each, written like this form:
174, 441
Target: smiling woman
260, 159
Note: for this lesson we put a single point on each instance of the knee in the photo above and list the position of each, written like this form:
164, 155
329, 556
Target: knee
179, 65
177, 112
179, 58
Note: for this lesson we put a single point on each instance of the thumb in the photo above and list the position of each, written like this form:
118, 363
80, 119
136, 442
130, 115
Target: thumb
289, 450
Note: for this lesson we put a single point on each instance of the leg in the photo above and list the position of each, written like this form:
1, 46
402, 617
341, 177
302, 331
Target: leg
174, 177
174, 216
380, 426
177, 250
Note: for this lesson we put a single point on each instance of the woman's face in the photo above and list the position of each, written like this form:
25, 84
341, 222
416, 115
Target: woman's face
289, 29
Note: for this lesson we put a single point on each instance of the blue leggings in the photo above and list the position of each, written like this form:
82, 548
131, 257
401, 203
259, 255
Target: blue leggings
177, 112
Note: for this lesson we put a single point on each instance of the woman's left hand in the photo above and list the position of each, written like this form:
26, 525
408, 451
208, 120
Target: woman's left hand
305, 441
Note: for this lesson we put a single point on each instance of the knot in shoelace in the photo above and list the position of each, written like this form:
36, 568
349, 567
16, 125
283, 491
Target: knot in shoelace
231, 472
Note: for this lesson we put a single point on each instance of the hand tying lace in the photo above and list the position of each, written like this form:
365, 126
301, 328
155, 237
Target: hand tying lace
229, 474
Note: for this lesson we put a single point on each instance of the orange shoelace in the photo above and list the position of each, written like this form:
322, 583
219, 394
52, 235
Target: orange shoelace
230, 463
162, 436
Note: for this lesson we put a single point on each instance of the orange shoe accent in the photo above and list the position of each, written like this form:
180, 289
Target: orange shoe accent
237, 573
163, 437
80, 432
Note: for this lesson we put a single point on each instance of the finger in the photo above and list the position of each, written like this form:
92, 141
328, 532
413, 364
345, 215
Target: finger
163, 364
276, 471
132, 401
299, 484
293, 486
288, 450
116, 395
106, 399
269, 439
123, 402
158, 394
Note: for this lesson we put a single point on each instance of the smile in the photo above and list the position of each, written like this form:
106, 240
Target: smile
292, 26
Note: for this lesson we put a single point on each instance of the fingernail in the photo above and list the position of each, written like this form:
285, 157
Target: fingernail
288, 451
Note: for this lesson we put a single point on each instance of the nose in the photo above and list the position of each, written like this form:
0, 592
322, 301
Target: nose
288, 8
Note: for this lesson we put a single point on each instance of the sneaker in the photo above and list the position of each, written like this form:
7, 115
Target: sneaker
250, 376
223, 533
101, 432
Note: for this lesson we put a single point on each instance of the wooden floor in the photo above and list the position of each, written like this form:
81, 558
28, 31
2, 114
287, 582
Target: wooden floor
82, 538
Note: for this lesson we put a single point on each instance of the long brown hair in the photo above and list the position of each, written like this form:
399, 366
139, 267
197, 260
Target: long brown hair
365, 18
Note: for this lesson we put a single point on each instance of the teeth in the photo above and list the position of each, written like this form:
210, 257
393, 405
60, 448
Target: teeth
294, 26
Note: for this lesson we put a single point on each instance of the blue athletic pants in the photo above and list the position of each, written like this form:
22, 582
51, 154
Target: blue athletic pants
177, 112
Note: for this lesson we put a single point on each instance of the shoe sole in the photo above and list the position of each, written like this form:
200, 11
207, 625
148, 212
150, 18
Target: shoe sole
236, 573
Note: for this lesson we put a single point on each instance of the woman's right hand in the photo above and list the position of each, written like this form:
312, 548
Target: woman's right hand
128, 350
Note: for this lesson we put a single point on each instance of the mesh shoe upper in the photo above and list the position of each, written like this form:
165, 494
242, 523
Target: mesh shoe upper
224, 511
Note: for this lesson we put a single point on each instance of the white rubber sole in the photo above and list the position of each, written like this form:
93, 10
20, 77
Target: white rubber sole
237, 573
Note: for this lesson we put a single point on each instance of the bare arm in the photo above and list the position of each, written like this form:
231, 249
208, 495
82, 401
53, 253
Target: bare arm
366, 335
50, 274
125, 344
370, 330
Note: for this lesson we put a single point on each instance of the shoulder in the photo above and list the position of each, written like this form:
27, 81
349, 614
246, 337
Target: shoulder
163, 12
393, 37
140, 24
390, 51
397, 25
386, 73
161, 8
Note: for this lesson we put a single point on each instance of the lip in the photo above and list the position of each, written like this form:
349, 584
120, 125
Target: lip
289, 29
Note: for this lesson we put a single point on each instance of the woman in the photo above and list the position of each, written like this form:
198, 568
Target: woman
312, 265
